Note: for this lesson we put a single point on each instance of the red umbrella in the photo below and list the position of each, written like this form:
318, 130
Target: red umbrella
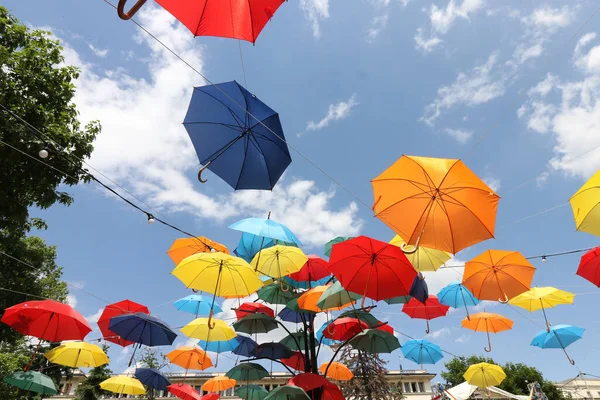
344, 328
386, 328
376, 269
589, 267
308, 381
210, 396
114, 310
332, 392
252, 308
429, 310
313, 270
297, 361
184, 391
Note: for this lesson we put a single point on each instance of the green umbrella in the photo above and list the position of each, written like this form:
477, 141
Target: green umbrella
255, 323
32, 381
375, 341
287, 392
336, 296
398, 300
338, 239
273, 294
362, 315
291, 343
251, 392
247, 372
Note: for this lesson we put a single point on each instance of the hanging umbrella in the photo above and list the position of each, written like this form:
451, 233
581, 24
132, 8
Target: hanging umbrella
250, 244
251, 392
152, 378
435, 203
246, 346
487, 322
585, 206
419, 289
287, 392
297, 341
375, 341
122, 384
32, 381
330, 244
185, 247
386, 328
189, 357
184, 391
455, 295
273, 351
336, 296
321, 338
375, 269
200, 329
589, 266
279, 261
364, 316
114, 310
77, 355
256, 323
142, 329
424, 259
253, 308
559, 337
398, 300
288, 314
274, 294
422, 351
297, 361
308, 381
332, 392
218, 384
484, 375
247, 372
309, 299
219, 346
336, 370
267, 228
498, 275
542, 298
195, 304
429, 310
314, 269
247, 152
305, 285
211, 396
343, 329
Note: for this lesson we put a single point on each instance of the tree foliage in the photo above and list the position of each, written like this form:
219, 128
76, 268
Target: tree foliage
89, 388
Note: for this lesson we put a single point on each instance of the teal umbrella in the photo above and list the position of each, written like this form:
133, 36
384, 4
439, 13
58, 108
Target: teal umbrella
338, 239
287, 392
247, 372
252, 392
273, 294
255, 323
398, 300
32, 381
336, 296
375, 341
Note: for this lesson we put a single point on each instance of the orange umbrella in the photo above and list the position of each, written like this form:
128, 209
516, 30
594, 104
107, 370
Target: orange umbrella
218, 384
498, 275
487, 322
185, 247
190, 357
435, 202
337, 371
310, 298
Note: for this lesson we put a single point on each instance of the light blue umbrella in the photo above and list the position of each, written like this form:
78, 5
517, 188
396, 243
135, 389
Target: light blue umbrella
324, 340
195, 304
251, 244
305, 285
267, 228
456, 295
422, 351
559, 337
219, 346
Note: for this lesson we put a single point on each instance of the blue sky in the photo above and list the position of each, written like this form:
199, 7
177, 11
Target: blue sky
508, 89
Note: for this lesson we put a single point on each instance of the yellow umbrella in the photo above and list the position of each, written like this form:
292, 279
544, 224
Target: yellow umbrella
200, 329
77, 354
538, 298
279, 261
337, 371
310, 298
218, 384
586, 206
484, 375
424, 259
190, 357
123, 385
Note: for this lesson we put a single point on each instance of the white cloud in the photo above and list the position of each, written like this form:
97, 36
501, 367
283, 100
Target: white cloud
315, 11
424, 42
493, 183
460, 135
102, 53
92, 319
72, 300
336, 112
479, 86
463, 338
549, 18
378, 24
450, 272
440, 333
542, 178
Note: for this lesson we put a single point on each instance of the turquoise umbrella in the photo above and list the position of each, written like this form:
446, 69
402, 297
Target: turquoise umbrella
456, 295
422, 351
32, 381
267, 228
559, 337
247, 372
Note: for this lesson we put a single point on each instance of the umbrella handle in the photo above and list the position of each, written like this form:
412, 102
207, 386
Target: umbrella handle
129, 14
211, 325
201, 169
409, 249
505, 301
284, 287
427, 329
488, 349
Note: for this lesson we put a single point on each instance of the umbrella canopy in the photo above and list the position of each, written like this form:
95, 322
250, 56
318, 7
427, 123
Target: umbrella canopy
386, 328
314, 269
184, 391
211, 396
498, 275
274, 294
256, 323
375, 341
185, 247
279, 261
200, 329
143, 329
336, 370
419, 289
424, 259
252, 308
429, 310
247, 372
305, 284
558, 337
47, 320
32, 381
267, 228
541, 298
247, 152
297, 341
363, 315
585, 206
189, 357
251, 392
332, 392
250, 244
589, 266
375, 269
287, 392
422, 351
310, 298
335, 296
123, 385
488, 323
288, 314
321, 338
339, 239
345, 328
219, 346
398, 300
114, 310
195, 304
272, 350
484, 375
436, 203
152, 378
297, 361
456, 295
246, 347
308, 381
77, 355
218, 384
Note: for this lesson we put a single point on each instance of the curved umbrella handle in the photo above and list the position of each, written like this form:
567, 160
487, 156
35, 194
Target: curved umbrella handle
211, 325
427, 329
362, 303
505, 301
409, 249
202, 170
284, 286
129, 14
569, 358
488, 349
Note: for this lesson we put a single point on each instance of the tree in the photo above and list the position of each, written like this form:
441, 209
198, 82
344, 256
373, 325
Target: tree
89, 389
152, 359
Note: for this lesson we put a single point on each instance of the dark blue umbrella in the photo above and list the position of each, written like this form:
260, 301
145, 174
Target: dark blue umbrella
419, 289
246, 346
289, 315
273, 350
246, 151
143, 329
152, 378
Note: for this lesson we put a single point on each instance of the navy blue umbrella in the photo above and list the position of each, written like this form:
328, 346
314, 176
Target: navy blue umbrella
246, 151
289, 315
246, 346
273, 350
152, 378
419, 289
143, 329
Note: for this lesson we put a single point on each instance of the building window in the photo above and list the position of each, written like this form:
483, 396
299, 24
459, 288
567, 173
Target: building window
406, 387
413, 386
421, 387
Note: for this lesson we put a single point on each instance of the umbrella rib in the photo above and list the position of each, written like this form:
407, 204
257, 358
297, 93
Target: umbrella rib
442, 206
235, 117
472, 213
